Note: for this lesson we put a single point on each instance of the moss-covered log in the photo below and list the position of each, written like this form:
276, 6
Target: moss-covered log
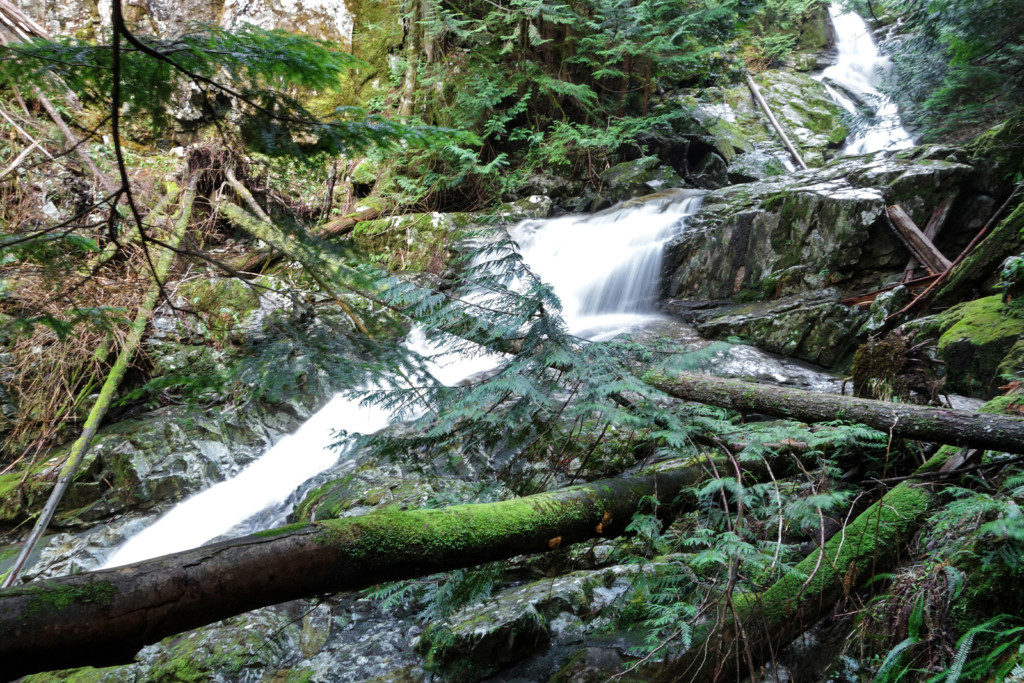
868, 546
102, 618
936, 425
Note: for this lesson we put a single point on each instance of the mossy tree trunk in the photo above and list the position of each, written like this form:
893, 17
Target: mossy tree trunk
865, 548
109, 388
936, 425
104, 617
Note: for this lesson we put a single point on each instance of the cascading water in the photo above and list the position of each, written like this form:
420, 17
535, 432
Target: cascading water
852, 82
604, 268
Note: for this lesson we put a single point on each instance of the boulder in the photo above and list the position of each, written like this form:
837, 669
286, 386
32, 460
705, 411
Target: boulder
485, 638
637, 178
814, 328
711, 173
981, 343
806, 231
729, 120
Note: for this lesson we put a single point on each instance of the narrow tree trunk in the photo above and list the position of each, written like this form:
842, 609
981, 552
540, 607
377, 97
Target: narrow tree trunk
315, 265
931, 231
756, 92
412, 55
107, 391
919, 245
937, 425
102, 618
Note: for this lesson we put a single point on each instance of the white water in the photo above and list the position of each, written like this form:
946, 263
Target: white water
605, 269
853, 82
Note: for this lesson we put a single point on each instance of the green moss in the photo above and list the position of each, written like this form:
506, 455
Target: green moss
86, 674
976, 338
1005, 240
49, 596
874, 536
280, 531
409, 242
224, 300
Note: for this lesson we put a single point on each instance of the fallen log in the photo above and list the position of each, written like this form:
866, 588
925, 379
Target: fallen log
867, 547
919, 245
104, 617
925, 297
936, 425
931, 231
756, 92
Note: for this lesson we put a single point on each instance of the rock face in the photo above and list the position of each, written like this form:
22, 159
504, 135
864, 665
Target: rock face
783, 251
802, 232
346, 23
734, 126
328, 19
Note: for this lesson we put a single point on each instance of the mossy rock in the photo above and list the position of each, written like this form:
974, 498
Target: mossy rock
979, 340
637, 178
224, 303
417, 242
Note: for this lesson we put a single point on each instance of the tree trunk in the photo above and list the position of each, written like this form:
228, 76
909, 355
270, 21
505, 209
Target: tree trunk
412, 55
931, 231
919, 245
103, 618
870, 545
937, 425
756, 92
107, 391
1005, 240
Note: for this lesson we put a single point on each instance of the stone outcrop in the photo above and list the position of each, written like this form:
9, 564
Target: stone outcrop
777, 255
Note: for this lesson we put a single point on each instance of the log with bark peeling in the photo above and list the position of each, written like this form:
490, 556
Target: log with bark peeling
936, 425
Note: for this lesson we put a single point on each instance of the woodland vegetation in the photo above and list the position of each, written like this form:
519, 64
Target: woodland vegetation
158, 189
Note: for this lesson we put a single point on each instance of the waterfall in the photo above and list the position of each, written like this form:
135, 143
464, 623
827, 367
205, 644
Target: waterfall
605, 268
852, 82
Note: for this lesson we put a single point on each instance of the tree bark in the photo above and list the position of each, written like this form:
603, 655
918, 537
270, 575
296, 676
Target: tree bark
931, 231
103, 618
774, 122
919, 245
937, 425
412, 55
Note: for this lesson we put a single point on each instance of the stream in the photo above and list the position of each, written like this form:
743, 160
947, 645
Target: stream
605, 268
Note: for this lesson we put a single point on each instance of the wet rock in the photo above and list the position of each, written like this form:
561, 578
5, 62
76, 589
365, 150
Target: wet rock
884, 305
520, 622
590, 665
637, 178
806, 231
760, 163
814, 328
711, 173
345, 493
740, 361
